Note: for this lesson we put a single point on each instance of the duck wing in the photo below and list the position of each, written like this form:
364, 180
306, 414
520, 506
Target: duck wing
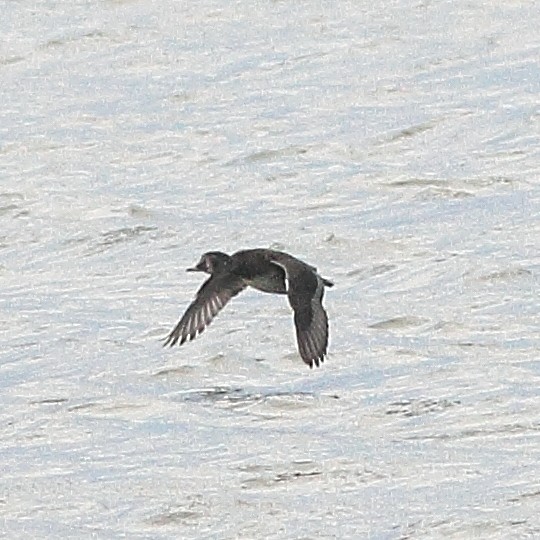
305, 290
211, 298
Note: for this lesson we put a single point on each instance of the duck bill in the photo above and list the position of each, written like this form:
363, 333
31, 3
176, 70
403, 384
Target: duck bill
199, 267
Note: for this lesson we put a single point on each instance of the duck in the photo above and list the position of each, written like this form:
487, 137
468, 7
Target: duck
268, 271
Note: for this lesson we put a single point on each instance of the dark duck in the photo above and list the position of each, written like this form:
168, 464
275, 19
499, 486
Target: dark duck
268, 271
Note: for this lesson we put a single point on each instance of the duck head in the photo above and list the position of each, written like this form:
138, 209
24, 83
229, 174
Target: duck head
212, 262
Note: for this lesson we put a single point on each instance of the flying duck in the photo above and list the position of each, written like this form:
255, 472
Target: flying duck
268, 271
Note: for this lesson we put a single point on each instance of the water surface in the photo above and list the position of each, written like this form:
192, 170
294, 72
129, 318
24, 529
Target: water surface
395, 146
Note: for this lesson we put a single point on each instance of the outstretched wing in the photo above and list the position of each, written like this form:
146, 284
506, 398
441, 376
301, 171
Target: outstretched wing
211, 298
311, 324
305, 290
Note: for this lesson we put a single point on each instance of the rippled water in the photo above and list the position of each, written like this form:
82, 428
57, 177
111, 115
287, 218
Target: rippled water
396, 146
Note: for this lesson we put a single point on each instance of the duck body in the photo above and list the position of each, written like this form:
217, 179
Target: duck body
267, 271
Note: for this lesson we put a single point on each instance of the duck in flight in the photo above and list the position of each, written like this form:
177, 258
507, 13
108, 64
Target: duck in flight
268, 271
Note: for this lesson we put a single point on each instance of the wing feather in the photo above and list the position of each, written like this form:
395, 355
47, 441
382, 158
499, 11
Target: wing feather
305, 290
211, 298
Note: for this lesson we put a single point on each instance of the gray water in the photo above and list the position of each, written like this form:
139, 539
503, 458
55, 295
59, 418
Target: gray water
395, 145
